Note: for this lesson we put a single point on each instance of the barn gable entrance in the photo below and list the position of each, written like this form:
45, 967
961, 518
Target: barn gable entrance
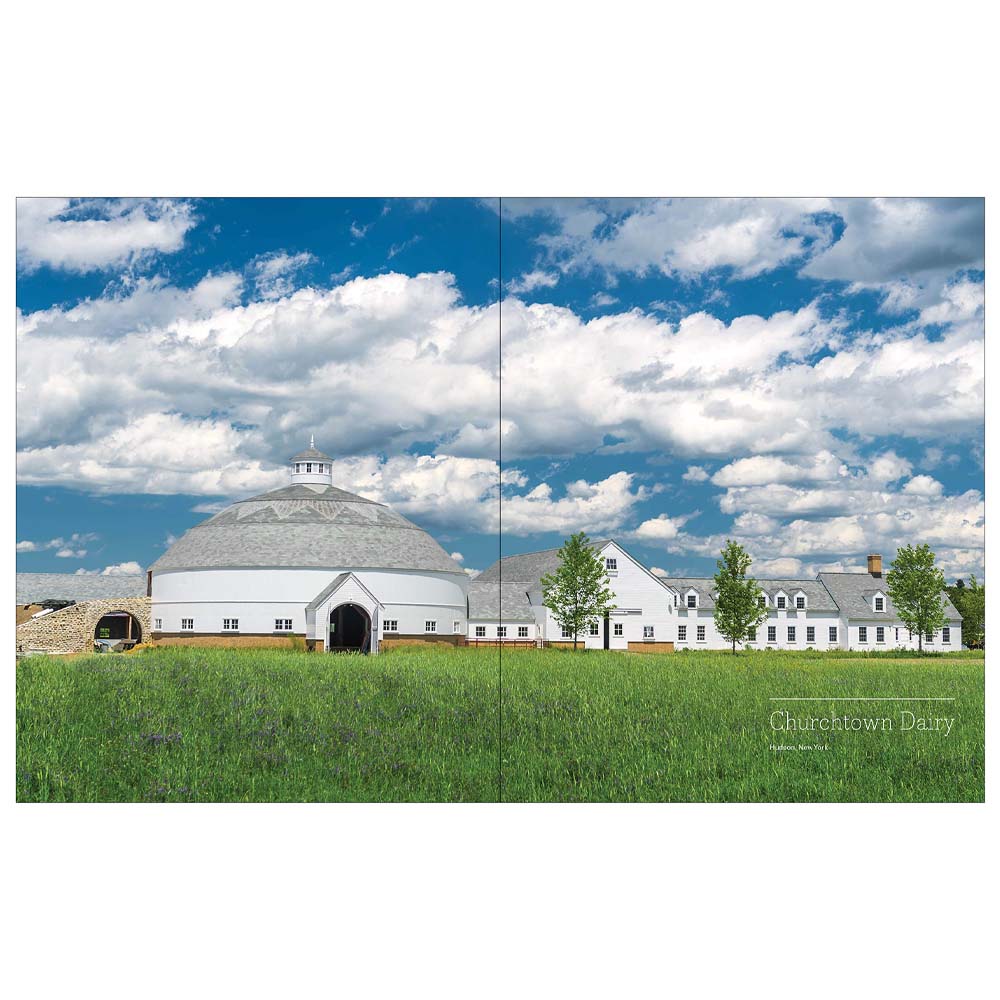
344, 617
350, 629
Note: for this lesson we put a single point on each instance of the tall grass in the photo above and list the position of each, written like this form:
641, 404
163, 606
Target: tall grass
424, 724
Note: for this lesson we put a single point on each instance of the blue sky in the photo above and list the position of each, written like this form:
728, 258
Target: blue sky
806, 376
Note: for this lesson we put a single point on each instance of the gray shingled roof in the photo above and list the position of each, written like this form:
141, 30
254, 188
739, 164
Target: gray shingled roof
311, 455
818, 598
336, 582
703, 585
30, 588
528, 568
853, 592
307, 525
491, 600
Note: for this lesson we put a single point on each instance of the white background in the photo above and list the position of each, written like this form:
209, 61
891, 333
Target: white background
514, 98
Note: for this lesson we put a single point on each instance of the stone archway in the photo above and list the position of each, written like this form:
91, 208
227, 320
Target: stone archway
120, 629
349, 629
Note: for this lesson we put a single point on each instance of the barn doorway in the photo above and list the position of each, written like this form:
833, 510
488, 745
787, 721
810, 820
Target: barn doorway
350, 630
117, 631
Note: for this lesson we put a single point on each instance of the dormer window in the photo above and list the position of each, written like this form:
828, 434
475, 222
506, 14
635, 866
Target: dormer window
879, 603
762, 601
781, 601
800, 602
692, 600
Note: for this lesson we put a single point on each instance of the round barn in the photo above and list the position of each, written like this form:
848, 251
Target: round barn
309, 560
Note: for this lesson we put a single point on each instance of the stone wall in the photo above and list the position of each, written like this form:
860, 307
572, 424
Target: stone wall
71, 630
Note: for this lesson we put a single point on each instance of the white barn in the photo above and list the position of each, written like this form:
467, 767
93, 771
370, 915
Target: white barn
308, 560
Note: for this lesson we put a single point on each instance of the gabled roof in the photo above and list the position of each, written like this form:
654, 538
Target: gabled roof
333, 586
31, 588
818, 598
491, 600
702, 585
853, 593
528, 568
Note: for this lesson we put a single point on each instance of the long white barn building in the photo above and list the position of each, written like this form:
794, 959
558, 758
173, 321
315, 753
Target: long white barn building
341, 572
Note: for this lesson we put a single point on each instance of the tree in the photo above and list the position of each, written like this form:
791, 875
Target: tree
737, 598
577, 593
915, 585
972, 607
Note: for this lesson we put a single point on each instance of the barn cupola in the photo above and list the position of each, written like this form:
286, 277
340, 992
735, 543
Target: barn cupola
312, 467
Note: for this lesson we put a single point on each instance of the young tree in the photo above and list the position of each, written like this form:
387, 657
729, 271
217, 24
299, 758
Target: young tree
737, 598
577, 593
972, 608
915, 585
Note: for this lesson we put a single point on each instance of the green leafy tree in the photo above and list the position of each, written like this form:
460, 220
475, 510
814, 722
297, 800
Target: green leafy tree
737, 597
915, 585
577, 592
972, 607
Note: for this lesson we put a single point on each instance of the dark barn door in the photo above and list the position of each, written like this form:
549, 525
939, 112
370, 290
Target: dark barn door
607, 632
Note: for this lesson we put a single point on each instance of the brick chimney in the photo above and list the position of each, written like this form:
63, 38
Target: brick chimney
875, 565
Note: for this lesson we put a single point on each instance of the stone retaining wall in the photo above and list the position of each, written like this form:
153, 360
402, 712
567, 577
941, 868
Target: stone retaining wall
71, 630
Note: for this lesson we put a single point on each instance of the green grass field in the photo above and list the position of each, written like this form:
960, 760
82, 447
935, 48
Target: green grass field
200, 725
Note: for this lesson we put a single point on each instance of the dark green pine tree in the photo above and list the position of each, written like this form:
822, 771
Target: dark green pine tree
577, 592
737, 597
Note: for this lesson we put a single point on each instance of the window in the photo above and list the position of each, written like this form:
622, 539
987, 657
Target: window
692, 601
611, 565
879, 633
946, 634
772, 633
480, 631
780, 602
230, 624
701, 633
800, 603
880, 604
456, 627
682, 633
862, 633
595, 628
390, 625
187, 624
430, 626
522, 631
810, 633
833, 633
158, 624
566, 634
897, 635
752, 635
501, 631
298, 468
283, 625
647, 631
791, 633
619, 628
762, 601
929, 637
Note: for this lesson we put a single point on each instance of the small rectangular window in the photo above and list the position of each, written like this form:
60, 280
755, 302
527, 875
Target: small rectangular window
880, 604
701, 633
480, 631
390, 625
566, 633
595, 628
929, 637
187, 624
862, 633
456, 627
772, 633
692, 601
230, 624
800, 603
611, 564
430, 626
522, 631
284, 625
946, 634
501, 631
682, 632
832, 635
647, 631
158, 624
752, 635
791, 633
810, 633
762, 601
619, 628
879, 633
779, 602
